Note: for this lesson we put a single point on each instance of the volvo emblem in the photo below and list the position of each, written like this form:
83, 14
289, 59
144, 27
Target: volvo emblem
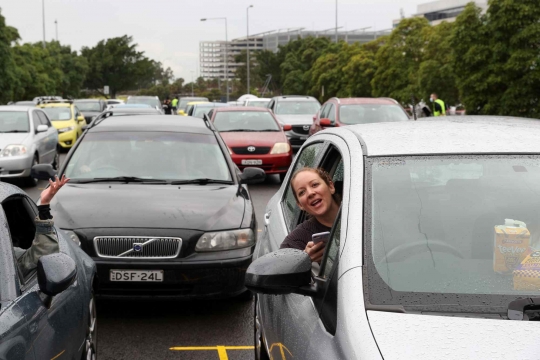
306, 127
251, 148
137, 247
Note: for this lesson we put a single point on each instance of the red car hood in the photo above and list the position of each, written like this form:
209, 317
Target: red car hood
234, 139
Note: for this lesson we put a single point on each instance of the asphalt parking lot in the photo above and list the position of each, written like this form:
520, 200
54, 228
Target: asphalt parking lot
218, 329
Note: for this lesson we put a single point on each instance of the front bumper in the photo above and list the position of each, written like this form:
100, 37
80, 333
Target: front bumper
296, 139
271, 164
67, 139
16, 166
181, 279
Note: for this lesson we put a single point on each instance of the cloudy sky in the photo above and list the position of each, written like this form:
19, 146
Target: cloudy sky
170, 30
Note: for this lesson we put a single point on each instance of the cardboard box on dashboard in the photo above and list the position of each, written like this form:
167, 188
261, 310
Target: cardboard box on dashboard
511, 245
527, 274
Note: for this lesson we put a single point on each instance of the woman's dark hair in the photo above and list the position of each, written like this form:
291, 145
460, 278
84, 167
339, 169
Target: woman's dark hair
323, 174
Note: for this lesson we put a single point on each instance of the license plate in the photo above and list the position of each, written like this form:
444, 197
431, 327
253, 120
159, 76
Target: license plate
136, 275
251, 162
303, 137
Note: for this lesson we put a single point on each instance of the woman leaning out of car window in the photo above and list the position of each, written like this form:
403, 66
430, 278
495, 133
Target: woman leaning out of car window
45, 241
315, 194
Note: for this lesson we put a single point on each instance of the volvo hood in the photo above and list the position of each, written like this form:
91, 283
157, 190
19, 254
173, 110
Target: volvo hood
105, 205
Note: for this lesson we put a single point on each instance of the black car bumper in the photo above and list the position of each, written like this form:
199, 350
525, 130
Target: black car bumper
181, 279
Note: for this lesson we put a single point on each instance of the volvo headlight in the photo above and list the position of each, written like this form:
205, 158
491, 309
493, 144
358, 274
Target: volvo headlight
66, 129
13, 150
72, 236
280, 148
225, 240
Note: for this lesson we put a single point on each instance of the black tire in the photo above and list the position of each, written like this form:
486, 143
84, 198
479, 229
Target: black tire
91, 345
29, 180
245, 296
260, 348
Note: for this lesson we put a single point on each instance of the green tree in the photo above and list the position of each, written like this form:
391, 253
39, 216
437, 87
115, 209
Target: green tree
117, 63
398, 60
358, 74
8, 78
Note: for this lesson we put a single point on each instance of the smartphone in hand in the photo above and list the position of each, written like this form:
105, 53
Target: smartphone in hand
322, 236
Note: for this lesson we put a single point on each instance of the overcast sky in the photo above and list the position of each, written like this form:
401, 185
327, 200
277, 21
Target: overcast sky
170, 30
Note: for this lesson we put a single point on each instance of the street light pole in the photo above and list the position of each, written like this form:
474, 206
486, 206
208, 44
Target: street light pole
56, 25
247, 38
336, 21
43, 12
191, 83
226, 53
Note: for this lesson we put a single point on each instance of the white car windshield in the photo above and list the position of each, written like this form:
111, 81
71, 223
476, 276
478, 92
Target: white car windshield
148, 155
303, 107
365, 114
14, 122
454, 230
88, 106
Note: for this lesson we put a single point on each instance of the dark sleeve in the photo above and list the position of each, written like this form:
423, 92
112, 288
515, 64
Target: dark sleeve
44, 212
438, 107
297, 239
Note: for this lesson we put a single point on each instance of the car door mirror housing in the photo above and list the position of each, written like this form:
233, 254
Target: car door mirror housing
287, 127
55, 273
326, 123
252, 175
43, 172
285, 271
41, 128
80, 118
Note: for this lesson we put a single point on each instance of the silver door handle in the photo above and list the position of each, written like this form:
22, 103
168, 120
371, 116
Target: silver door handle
267, 218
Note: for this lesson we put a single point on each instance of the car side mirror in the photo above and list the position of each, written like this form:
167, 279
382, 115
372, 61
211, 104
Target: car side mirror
81, 118
287, 127
252, 175
41, 128
43, 172
285, 271
326, 123
55, 273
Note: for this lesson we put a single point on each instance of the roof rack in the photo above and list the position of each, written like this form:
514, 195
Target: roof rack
51, 101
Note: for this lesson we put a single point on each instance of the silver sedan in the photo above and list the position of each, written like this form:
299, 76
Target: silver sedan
27, 138
434, 254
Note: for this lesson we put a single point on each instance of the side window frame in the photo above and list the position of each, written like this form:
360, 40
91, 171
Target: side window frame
43, 118
292, 222
36, 121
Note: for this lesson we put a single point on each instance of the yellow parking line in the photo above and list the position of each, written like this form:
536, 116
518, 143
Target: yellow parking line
221, 350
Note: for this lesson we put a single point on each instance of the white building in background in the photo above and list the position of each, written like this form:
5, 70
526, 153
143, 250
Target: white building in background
212, 53
443, 10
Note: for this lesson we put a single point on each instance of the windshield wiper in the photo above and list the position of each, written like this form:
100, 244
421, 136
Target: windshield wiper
517, 309
124, 179
266, 130
201, 181
236, 130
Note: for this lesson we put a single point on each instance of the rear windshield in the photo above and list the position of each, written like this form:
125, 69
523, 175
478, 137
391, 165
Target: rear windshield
14, 122
58, 113
297, 107
258, 103
149, 101
88, 106
365, 114
233, 121
182, 104
149, 155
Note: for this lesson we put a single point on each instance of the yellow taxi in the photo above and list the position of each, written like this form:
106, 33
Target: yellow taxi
67, 119
185, 102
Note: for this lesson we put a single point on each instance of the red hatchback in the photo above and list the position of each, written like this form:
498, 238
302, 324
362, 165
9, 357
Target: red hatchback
351, 111
254, 138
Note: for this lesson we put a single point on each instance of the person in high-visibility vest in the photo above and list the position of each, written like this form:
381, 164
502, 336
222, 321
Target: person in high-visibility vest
439, 108
174, 104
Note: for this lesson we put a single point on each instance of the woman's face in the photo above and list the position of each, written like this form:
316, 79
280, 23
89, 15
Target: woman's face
314, 196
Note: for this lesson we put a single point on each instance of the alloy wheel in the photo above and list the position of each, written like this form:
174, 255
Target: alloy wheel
91, 333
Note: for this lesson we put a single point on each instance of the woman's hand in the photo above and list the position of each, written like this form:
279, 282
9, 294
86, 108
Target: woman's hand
315, 251
54, 186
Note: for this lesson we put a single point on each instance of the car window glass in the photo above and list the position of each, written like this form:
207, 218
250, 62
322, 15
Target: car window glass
323, 111
332, 251
307, 157
35, 120
43, 118
14, 122
332, 113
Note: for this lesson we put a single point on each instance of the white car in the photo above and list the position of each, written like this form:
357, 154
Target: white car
433, 253
258, 102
